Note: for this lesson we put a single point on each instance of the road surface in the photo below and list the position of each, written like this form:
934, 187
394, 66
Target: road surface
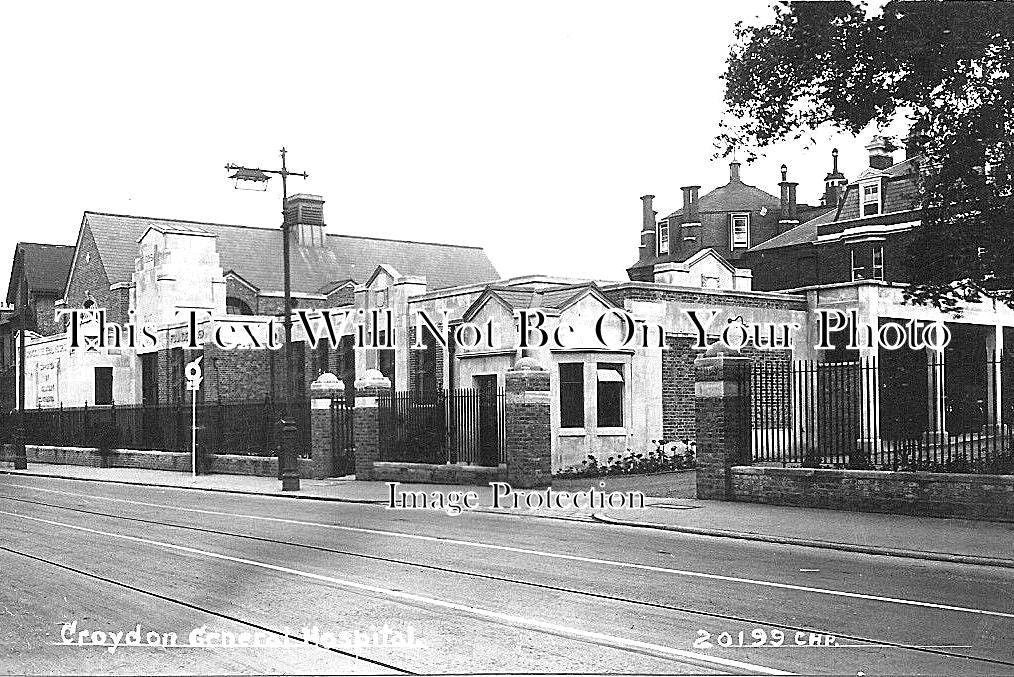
223, 583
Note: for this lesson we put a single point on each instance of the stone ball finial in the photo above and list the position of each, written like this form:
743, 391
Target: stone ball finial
327, 384
527, 364
373, 379
719, 348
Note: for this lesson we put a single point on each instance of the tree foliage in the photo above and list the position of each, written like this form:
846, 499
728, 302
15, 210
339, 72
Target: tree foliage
946, 67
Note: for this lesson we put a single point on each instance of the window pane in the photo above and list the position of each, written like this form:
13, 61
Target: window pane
610, 396
103, 385
572, 395
740, 230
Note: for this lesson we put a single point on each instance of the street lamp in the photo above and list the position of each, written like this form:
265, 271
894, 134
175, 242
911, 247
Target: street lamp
20, 453
253, 178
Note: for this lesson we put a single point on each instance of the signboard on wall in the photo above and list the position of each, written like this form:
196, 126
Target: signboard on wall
47, 384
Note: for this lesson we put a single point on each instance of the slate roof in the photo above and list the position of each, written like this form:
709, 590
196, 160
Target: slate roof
46, 266
902, 168
556, 298
730, 196
255, 254
805, 232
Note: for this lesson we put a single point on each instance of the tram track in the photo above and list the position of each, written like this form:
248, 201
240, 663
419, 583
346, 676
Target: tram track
204, 610
941, 652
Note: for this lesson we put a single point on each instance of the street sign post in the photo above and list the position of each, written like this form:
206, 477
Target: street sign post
194, 378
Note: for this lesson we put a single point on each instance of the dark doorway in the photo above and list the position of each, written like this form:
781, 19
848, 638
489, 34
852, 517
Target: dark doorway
150, 429
489, 420
904, 393
149, 379
966, 378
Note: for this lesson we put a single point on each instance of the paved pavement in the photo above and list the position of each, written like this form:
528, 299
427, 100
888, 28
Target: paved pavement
956, 540
481, 591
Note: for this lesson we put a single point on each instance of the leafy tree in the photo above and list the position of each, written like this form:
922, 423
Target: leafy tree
946, 66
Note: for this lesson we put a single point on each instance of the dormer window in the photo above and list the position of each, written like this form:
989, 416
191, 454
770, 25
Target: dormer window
870, 195
663, 236
740, 226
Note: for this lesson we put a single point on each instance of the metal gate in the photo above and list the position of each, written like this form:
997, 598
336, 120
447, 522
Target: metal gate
343, 456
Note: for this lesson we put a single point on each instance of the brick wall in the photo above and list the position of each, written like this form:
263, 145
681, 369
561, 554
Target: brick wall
343, 296
723, 423
528, 432
678, 389
678, 402
237, 289
45, 322
89, 275
988, 497
237, 375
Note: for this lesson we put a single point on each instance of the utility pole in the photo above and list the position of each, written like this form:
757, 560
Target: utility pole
287, 459
20, 453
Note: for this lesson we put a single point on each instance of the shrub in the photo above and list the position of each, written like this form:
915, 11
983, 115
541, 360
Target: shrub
666, 457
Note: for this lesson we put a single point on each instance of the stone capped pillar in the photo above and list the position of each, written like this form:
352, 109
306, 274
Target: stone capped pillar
722, 392
366, 420
326, 388
529, 436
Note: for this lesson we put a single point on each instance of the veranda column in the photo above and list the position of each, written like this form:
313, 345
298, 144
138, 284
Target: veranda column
936, 397
994, 382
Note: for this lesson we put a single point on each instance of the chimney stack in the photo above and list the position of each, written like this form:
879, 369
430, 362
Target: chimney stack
788, 202
734, 171
880, 149
647, 213
648, 244
834, 183
691, 210
304, 218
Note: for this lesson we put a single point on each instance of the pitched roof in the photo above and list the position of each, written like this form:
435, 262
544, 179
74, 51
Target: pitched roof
902, 168
555, 298
803, 233
732, 195
46, 266
255, 254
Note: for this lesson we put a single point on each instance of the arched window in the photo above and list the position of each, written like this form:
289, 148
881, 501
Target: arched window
237, 306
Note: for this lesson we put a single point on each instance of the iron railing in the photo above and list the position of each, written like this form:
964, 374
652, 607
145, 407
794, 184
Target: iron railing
464, 425
247, 428
893, 414
342, 437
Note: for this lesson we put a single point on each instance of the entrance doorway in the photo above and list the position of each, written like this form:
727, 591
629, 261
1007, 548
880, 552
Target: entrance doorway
489, 420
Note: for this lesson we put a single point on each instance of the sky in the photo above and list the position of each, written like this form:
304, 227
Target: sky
528, 128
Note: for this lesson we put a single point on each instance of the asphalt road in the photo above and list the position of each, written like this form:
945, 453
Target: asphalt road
479, 592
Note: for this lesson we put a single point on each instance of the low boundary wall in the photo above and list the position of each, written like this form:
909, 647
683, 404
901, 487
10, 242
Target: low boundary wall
724, 473
989, 497
224, 464
388, 471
